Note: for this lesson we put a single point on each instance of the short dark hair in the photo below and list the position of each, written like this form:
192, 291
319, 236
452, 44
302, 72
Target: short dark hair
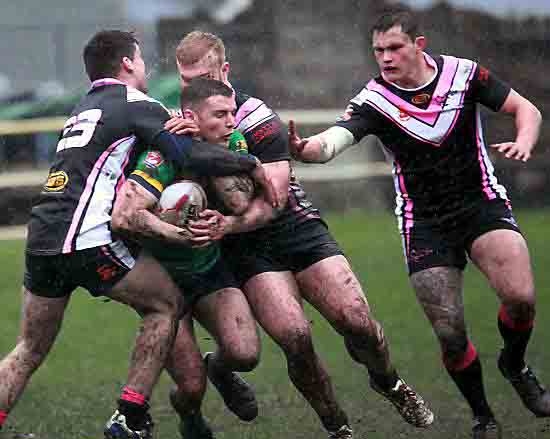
104, 52
200, 89
404, 18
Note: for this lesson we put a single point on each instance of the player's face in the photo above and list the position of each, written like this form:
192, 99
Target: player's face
397, 55
216, 119
206, 67
139, 70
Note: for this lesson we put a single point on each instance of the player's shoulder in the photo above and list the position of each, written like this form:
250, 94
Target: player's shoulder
250, 103
251, 112
365, 94
455, 64
135, 95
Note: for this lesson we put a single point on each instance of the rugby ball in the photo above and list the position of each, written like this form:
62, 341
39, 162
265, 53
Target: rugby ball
181, 202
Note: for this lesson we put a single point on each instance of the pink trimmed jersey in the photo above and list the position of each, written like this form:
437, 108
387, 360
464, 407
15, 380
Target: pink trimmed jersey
95, 152
433, 136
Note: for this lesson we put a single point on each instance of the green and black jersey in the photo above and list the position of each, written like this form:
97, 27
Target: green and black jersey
154, 173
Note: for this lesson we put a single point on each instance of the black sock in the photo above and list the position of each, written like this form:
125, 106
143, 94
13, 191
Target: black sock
136, 414
469, 381
385, 381
516, 337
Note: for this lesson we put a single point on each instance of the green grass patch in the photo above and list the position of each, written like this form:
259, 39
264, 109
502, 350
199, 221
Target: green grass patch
74, 392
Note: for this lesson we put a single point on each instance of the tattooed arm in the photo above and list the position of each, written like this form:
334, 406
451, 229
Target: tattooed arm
257, 212
132, 217
234, 192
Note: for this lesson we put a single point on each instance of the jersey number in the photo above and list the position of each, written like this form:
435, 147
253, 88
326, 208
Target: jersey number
79, 129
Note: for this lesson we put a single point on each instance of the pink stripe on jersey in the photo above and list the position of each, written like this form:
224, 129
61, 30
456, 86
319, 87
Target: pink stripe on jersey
403, 127
429, 115
3, 417
486, 187
407, 211
86, 194
467, 86
122, 179
248, 107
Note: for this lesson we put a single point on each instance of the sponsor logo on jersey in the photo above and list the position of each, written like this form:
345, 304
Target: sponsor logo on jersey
265, 131
57, 180
421, 99
241, 146
153, 159
416, 255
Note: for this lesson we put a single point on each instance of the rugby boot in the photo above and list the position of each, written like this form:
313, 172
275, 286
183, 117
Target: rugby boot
533, 394
408, 403
194, 426
486, 427
344, 432
237, 394
117, 428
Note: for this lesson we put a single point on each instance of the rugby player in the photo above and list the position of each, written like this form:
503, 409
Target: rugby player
70, 243
200, 272
425, 110
286, 255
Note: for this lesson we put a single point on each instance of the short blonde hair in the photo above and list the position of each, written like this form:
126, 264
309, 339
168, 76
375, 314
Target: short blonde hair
196, 45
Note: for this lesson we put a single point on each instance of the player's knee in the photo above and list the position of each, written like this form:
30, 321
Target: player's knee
241, 357
245, 360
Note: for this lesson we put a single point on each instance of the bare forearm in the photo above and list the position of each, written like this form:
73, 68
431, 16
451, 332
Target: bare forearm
132, 216
528, 122
143, 224
324, 146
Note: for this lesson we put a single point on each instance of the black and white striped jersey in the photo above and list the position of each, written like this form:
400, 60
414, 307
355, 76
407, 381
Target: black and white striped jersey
267, 139
434, 138
96, 149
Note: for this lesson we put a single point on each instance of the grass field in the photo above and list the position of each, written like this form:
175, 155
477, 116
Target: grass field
73, 394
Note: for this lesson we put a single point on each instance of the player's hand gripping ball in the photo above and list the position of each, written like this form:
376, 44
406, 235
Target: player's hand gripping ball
180, 202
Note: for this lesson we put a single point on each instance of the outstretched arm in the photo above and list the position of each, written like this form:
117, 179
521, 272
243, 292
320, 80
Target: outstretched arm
321, 147
528, 121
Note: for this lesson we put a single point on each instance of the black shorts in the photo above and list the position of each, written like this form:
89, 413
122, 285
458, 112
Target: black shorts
447, 244
197, 285
289, 249
96, 269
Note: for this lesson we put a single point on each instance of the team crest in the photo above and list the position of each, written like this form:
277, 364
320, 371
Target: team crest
241, 146
420, 99
153, 159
